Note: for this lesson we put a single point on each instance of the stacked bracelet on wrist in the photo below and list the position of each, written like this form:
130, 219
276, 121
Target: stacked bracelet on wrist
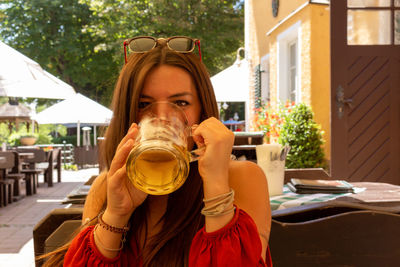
112, 229
222, 206
100, 244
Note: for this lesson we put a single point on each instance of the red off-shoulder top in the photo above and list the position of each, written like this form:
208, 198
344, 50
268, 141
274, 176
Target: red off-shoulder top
236, 244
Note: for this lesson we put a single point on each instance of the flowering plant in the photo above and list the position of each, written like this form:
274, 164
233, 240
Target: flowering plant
293, 125
269, 120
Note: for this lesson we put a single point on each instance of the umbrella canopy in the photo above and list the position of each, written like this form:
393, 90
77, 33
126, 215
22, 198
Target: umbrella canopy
233, 122
232, 84
20, 76
18, 112
75, 109
15, 113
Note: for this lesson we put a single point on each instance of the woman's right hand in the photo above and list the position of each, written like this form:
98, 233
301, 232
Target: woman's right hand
122, 197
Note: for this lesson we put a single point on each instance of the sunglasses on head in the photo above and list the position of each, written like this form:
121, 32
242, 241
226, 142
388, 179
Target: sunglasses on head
143, 44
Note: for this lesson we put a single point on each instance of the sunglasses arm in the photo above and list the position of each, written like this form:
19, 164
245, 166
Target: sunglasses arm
198, 45
125, 44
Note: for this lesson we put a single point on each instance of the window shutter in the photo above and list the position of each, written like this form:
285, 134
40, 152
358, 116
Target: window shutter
257, 86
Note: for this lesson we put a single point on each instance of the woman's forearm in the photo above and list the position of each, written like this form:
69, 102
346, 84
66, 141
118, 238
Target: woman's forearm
108, 241
212, 190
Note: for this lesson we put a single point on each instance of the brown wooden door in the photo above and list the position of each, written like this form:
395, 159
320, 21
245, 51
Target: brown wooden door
365, 90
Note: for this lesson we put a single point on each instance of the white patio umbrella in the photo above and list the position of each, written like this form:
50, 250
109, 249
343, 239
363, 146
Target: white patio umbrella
20, 76
232, 85
78, 110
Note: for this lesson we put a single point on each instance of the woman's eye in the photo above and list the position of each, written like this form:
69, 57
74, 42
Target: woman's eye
181, 103
142, 105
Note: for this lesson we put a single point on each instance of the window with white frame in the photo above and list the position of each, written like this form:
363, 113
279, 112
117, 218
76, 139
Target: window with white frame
292, 70
288, 64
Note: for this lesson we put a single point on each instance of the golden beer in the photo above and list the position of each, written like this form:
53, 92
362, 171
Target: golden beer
157, 167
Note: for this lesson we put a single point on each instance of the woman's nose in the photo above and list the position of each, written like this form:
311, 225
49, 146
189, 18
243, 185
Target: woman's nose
164, 109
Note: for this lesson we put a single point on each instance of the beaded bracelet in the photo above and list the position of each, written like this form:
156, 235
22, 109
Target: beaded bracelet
111, 228
98, 242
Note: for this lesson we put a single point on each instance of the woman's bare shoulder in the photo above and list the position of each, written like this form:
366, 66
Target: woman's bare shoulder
251, 191
246, 173
249, 182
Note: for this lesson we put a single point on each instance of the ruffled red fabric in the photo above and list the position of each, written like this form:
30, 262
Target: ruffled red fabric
236, 244
83, 252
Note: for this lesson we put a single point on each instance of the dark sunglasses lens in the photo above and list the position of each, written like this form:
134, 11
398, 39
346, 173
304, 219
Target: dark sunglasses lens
142, 44
181, 44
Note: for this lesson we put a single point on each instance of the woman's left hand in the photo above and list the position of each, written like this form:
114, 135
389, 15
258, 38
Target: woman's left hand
214, 162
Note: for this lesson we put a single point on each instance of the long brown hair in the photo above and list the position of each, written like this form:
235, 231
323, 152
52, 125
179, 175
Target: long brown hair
130, 84
182, 219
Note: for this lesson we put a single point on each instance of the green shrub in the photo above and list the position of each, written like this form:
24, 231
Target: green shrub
44, 139
70, 139
70, 167
304, 136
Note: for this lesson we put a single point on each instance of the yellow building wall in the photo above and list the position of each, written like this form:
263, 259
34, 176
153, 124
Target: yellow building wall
315, 52
320, 70
314, 63
262, 21
305, 63
370, 28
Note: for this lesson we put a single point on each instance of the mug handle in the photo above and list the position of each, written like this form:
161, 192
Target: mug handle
196, 153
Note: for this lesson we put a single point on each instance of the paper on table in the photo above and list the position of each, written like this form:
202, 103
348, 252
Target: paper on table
383, 196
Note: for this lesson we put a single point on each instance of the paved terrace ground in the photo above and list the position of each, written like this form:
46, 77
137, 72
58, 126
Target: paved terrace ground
18, 219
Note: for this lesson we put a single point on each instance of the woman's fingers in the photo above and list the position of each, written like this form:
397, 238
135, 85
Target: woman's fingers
131, 134
121, 156
123, 149
118, 177
218, 141
212, 131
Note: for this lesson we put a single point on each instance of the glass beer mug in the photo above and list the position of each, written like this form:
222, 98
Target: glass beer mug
158, 164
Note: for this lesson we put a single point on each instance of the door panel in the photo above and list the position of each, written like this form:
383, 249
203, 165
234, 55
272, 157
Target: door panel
365, 101
380, 127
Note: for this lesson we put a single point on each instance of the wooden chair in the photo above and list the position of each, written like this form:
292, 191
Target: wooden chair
1, 196
16, 175
245, 144
53, 162
61, 235
7, 191
335, 236
46, 226
6, 184
30, 167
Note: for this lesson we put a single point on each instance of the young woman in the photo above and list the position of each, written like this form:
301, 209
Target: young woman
124, 226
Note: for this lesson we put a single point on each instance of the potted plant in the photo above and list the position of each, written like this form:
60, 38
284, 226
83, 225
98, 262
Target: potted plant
28, 139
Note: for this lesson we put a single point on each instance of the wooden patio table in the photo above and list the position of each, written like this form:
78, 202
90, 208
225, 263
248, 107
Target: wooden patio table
351, 230
377, 196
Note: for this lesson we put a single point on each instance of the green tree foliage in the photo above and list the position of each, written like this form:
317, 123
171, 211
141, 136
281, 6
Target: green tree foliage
80, 41
304, 136
56, 34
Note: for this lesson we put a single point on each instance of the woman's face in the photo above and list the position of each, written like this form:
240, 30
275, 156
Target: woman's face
175, 85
